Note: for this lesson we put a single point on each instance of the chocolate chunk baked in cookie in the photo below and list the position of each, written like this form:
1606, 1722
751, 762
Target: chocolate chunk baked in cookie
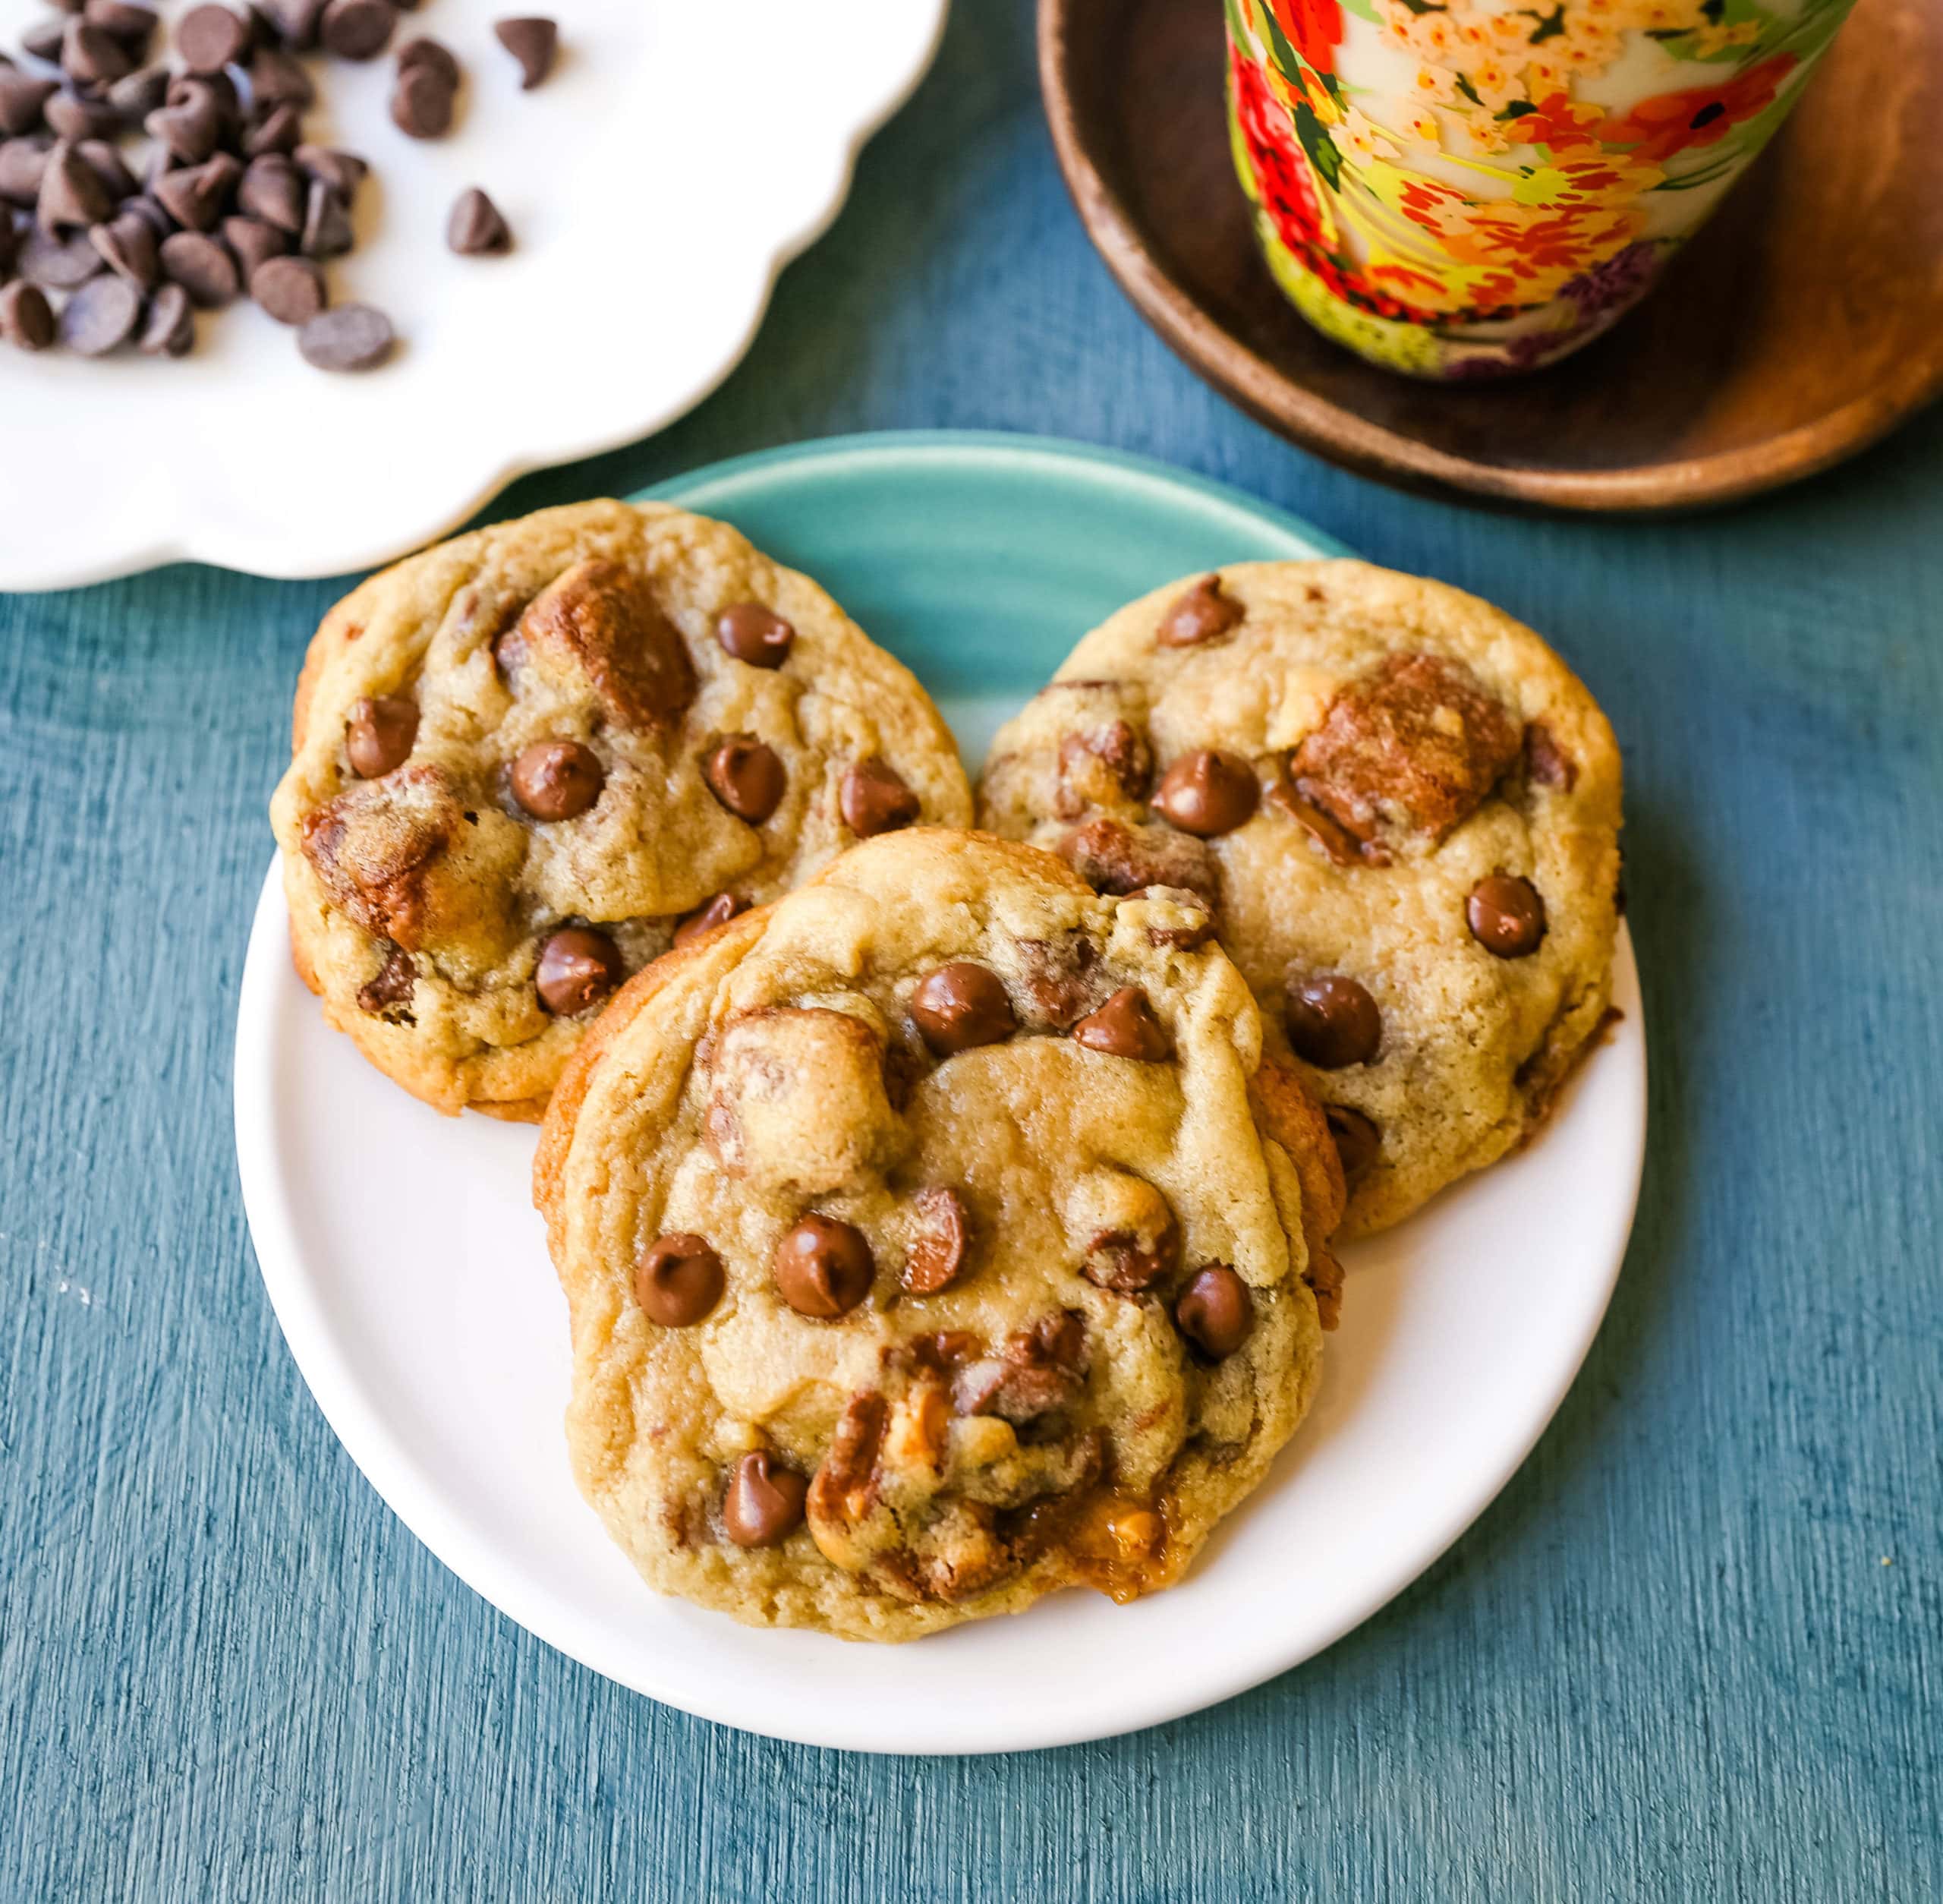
529, 760
1403, 809
934, 1238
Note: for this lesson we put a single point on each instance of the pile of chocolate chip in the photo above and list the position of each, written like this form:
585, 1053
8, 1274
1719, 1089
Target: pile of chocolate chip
232, 199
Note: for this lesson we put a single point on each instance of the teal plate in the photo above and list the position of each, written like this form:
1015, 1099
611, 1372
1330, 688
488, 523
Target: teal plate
980, 560
977, 558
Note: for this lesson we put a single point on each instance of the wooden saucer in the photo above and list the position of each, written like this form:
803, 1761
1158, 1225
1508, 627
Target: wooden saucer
1803, 323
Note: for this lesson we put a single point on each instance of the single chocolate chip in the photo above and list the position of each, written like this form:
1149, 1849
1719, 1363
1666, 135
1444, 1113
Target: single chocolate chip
183, 87
276, 130
10, 245
557, 779
209, 38
822, 1268
274, 190
1546, 763
961, 1005
875, 799
276, 79
1508, 917
69, 116
378, 734
102, 158
189, 132
475, 229
72, 194
353, 337
91, 55
100, 317
393, 986
199, 263
1357, 1141
937, 1253
146, 208
1201, 615
763, 1503
169, 327
196, 197
719, 911
128, 246
423, 104
747, 777
252, 243
134, 26
22, 100
136, 95
1125, 1026
1332, 1021
533, 40
291, 290
1215, 1312
342, 171
27, 319
1206, 793
327, 232
357, 29
752, 633
22, 163
58, 264
42, 40
1128, 1260
432, 56
678, 1279
577, 968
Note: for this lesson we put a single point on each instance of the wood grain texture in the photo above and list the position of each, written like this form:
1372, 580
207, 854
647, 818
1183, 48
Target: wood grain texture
1669, 1663
1805, 321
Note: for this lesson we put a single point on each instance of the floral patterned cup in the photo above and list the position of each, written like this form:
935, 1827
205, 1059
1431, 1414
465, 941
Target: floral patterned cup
1463, 188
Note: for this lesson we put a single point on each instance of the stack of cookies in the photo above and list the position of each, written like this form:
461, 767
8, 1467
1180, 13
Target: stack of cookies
944, 1216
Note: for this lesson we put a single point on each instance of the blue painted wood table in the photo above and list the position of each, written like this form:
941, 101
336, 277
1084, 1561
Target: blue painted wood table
1695, 1651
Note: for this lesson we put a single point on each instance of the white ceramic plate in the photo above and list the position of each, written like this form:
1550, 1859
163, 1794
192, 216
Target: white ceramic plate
410, 1273
682, 152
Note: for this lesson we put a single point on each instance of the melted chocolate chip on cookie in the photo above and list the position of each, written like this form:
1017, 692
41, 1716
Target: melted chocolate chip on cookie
875, 799
1215, 1312
962, 1005
763, 1503
1506, 915
937, 1254
1205, 613
1333, 1021
1207, 793
1125, 1026
379, 734
748, 777
754, 634
577, 968
824, 1269
678, 1279
558, 780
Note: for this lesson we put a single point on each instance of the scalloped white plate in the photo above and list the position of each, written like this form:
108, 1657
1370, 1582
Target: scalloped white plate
410, 1273
678, 157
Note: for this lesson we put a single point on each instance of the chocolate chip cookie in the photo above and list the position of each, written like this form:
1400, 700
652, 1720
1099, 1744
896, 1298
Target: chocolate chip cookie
934, 1237
1403, 809
528, 760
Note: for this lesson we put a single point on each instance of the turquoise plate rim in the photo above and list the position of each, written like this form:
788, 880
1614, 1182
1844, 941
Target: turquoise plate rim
689, 488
